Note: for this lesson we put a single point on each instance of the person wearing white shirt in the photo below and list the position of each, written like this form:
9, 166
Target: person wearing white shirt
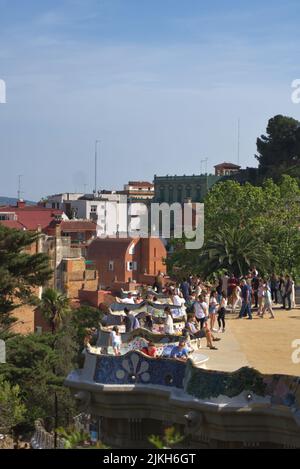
178, 301
129, 300
169, 324
201, 310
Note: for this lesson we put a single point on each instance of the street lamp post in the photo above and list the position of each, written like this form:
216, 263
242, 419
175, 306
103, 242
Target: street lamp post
96, 164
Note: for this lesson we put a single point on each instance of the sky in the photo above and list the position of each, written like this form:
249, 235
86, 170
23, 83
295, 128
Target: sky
161, 83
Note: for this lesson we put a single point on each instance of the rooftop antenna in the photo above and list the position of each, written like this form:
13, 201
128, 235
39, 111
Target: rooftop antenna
96, 164
238, 142
20, 186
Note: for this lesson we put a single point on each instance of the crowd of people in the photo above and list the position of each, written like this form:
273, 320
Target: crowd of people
204, 306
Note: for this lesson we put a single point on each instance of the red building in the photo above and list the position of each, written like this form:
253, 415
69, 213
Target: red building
28, 217
121, 261
226, 169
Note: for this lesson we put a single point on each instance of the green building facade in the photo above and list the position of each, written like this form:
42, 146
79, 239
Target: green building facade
172, 189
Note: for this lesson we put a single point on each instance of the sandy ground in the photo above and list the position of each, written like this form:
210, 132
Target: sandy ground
265, 344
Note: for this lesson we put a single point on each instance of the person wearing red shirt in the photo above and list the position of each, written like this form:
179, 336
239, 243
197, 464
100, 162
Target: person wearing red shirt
150, 350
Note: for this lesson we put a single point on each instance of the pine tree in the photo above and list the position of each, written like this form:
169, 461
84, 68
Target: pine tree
20, 272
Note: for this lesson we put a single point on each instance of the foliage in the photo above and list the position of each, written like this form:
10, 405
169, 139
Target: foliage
20, 271
279, 150
38, 364
246, 225
83, 319
236, 250
78, 439
55, 306
170, 439
12, 410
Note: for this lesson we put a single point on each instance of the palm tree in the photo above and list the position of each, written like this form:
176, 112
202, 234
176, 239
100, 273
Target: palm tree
55, 306
236, 250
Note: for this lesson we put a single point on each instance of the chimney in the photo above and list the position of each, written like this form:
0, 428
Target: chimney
21, 203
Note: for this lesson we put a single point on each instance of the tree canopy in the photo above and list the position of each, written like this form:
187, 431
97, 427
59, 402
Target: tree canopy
278, 152
20, 271
245, 225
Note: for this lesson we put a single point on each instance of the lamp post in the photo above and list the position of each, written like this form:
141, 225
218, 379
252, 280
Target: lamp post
96, 164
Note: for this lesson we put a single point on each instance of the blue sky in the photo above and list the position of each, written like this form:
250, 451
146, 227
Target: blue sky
162, 83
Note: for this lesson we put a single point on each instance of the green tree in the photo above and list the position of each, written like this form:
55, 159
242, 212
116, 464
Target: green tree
278, 152
38, 364
244, 225
12, 410
54, 306
235, 250
83, 319
20, 271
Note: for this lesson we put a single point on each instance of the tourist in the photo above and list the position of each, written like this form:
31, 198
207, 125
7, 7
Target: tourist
198, 288
287, 295
236, 298
150, 349
169, 323
268, 302
225, 279
222, 312
130, 321
213, 305
200, 309
246, 300
195, 333
178, 300
232, 283
185, 289
158, 284
282, 286
180, 352
255, 287
115, 340
148, 324
274, 283
128, 300
260, 295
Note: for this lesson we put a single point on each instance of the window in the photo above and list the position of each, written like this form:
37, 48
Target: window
111, 266
179, 194
162, 194
131, 265
93, 208
53, 204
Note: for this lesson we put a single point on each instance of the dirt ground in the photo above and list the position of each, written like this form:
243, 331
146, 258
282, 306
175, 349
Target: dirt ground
267, 343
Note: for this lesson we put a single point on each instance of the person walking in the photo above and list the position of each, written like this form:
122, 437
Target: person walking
268, 302
115, 340
222, 312
260, 295
287, 296
213, 306
274, 283
246, 301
